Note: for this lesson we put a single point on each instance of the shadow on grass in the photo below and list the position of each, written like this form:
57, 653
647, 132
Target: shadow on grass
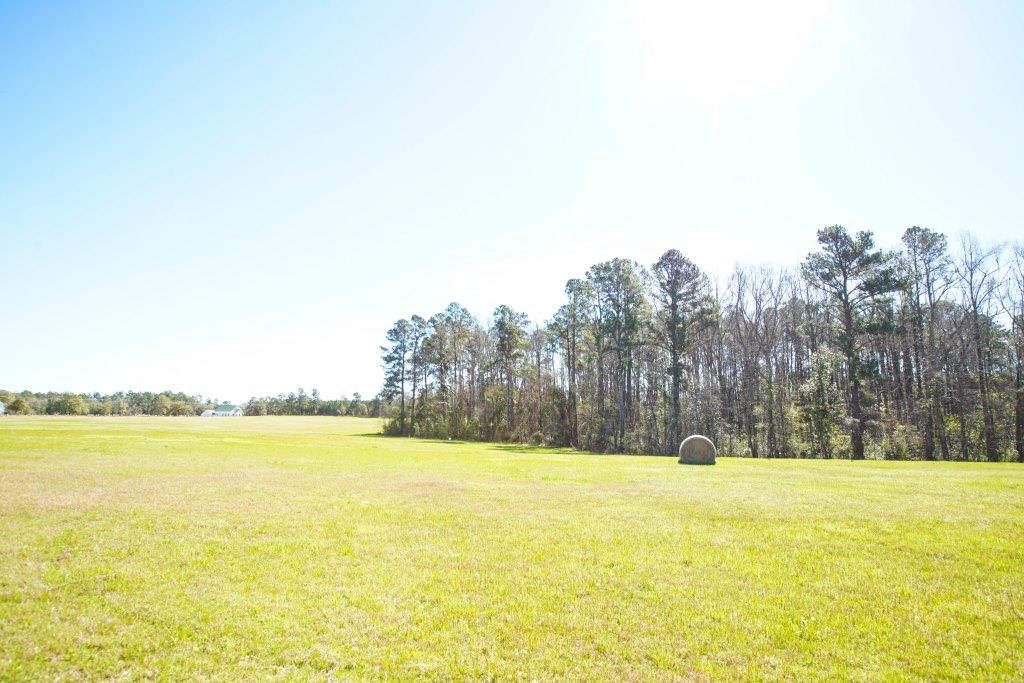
557, 450
509, 447
380, 435
542, 450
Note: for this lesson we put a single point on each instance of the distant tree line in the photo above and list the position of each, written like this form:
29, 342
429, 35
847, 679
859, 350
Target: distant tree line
176, 403
301, 403
860, 352
118, 403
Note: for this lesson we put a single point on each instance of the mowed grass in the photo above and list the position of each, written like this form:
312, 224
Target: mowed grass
234, 548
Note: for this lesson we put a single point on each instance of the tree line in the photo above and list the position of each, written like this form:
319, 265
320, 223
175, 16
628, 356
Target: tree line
860, 352
118, 403
177, 404
301, 403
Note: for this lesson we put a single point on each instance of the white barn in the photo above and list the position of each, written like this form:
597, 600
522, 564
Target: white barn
223, 410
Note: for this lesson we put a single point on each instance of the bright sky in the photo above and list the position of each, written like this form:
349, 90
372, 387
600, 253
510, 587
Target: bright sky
240, 200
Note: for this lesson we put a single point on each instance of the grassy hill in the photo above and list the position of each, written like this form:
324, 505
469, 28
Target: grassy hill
311, 547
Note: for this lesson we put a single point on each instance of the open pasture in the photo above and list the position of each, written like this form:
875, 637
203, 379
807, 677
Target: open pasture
312, 548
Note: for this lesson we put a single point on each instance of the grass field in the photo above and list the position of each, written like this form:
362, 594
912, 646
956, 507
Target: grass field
311, 548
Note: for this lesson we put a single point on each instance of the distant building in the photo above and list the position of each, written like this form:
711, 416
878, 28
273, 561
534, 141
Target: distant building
2, 409
223, 410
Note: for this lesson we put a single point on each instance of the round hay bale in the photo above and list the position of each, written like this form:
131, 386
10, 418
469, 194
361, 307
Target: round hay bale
697, 450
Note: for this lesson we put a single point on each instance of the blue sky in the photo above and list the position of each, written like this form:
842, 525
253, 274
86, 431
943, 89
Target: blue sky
236, 199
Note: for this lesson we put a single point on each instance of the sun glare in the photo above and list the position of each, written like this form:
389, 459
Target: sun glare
718, 50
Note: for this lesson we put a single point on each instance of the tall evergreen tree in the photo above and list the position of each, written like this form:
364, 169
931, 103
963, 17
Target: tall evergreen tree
624, 318
510, 345
395, 359
853, 274
685, 308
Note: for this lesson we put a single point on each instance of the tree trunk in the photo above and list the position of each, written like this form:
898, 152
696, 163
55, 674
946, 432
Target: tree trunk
988, 422
1018, 409
673, 422
853, 369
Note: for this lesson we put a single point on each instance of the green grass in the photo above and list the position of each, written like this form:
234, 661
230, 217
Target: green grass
310, 548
